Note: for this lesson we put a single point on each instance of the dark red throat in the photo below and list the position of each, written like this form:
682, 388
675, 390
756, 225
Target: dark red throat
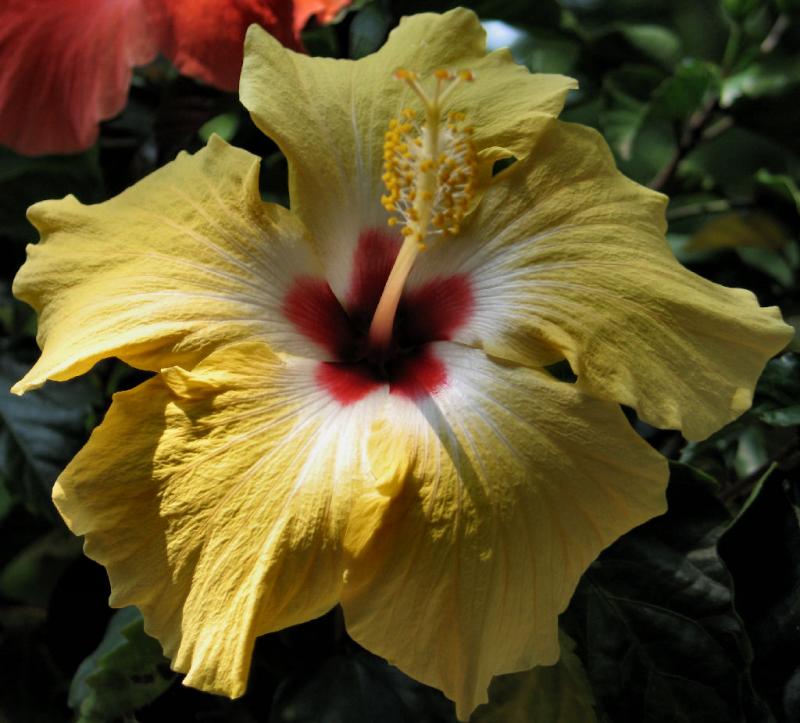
430, 312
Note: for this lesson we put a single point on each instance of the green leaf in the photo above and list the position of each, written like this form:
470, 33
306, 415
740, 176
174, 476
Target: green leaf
768, 262
740, 9
680, 95
780, 381
31, 576
557, 693
655, 622
224, 125
351, 688
730, 161
25, 181
751, 452
369, 29
769, 76
543, 51
653, 43
124, 673
782, 184
627, 94
39, 433
539, 14
762, 550
786, 417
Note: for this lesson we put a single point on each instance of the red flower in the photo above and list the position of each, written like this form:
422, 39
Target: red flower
65, 66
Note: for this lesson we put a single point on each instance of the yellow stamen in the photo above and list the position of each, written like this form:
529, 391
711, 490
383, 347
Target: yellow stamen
429, 173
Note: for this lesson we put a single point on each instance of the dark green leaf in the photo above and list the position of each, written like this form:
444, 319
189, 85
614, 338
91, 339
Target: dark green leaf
31, 576
557, 693
768, 262
654, 43
369, 28
124, 673
539, 14
24, 181
39, 433
762, 550
546, 51
782, 184
357, 688
627, 94
786, 417
655, 622
686, 90
730, 161
740, 9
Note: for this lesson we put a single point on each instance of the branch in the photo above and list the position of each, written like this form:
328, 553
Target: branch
688, 140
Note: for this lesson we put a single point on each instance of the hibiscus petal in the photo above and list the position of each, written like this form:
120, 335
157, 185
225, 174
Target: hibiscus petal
222, 514
66, 66
325, 11
205, 38
329, 117
567, 259
187, 259
506, 485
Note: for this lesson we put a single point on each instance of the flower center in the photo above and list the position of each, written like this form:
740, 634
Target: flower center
429, 172
427, 313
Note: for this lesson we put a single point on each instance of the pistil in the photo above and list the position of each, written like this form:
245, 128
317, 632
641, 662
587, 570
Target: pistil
429, 173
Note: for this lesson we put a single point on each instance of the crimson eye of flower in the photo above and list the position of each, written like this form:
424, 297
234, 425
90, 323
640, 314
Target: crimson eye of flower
350, 403
429, 313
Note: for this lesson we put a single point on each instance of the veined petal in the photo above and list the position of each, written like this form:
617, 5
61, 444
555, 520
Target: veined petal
329, 117
187, 259
506, 485
65, 67
222, 514
566, 258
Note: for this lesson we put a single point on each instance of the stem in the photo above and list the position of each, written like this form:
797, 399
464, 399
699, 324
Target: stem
743, 485
689, 139
776, 32
698, 209
731, 47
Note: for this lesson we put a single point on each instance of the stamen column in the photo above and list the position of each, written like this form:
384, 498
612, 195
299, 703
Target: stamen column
429, 178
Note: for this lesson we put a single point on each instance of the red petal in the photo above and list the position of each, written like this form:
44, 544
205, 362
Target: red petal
66, 65
325, 10
205, 38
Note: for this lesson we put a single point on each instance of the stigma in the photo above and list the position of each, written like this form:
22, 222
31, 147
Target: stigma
429, 170
429, 162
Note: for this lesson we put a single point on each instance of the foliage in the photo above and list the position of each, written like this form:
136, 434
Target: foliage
692, 617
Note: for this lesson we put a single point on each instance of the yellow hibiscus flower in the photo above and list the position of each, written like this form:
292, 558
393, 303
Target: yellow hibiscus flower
418, 466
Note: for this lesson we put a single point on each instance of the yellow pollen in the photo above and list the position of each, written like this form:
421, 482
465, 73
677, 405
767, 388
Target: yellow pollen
429, 166
430, 172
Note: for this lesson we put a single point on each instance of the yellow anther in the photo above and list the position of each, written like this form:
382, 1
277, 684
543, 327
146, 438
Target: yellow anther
466, 75
430, 163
